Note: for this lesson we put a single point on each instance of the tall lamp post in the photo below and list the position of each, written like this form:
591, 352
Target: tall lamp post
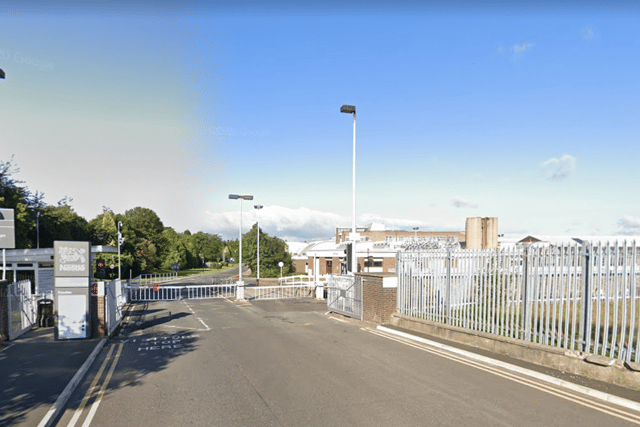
415, 233
38, 230
120, 242
258, 207
351, 109
241, 197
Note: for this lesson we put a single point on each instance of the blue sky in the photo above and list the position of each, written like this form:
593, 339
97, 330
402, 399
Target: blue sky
527, 112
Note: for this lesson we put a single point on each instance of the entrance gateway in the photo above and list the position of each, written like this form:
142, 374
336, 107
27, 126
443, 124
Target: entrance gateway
344, 293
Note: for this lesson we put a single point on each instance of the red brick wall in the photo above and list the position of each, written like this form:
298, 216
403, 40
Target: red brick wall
98, 319
4, 326
378, 303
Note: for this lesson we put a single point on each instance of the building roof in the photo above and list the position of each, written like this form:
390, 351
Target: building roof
46, 254
581, 240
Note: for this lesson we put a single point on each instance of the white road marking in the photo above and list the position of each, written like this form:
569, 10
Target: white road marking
197, 317
467, 358
91, 390
96, 403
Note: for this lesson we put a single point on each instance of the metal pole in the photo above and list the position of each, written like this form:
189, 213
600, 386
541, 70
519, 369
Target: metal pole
4, 265
240, 254
354, 255
526, 297
119, 243
258, 254
448, 294
38, 229
586, 301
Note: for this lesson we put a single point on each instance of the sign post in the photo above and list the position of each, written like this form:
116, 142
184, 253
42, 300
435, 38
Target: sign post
7, 236
72, 278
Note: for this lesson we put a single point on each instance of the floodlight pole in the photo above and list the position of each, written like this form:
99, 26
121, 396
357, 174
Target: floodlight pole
241, 197
351, 109
38, 230
120, 242
258, 207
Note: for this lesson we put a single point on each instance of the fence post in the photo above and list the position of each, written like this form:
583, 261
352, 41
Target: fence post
448, 296
586, 300
526, 300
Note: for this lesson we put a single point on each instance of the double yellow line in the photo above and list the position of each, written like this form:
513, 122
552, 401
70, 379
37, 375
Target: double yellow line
93, 392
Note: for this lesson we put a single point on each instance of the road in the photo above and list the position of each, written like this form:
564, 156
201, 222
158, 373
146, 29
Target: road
276, 363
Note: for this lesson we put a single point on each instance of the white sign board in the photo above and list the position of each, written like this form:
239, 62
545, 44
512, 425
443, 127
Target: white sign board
72, 259
7, 229
72, 316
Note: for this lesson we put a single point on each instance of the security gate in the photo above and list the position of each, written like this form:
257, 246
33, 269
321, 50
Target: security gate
174, 293
344, 295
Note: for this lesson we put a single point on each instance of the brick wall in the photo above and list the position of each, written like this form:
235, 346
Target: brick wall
4, 317
98, 319
378, 302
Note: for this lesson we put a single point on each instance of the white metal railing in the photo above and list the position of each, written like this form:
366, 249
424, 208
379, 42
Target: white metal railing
158, 293
280, 292
174, 293
294, 280
150, 279
22, 308
211, 291
115, 299
532, 293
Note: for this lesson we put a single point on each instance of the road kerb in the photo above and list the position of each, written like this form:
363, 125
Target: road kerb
609, 398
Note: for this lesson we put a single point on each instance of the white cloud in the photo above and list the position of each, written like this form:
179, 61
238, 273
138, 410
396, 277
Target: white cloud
518, 50
515, 51
559, 168
629, 226
285, 223
588, 33
458, 202
301, 224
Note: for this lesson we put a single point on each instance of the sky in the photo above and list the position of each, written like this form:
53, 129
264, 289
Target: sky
525, 111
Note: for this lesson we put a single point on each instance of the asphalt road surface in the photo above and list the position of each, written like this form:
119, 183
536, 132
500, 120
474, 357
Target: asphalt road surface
277, 363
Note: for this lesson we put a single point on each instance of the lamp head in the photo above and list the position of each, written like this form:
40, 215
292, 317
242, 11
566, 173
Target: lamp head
348, 109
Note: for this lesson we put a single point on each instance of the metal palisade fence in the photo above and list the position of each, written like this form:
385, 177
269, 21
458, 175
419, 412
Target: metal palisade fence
576, 297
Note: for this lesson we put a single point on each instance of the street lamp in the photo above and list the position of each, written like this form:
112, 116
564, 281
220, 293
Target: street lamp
2, 74
120, 242
258, 207
37, 227
351, 109
241, 197
415, 232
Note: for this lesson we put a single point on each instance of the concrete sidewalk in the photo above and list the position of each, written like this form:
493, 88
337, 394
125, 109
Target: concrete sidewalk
36, 372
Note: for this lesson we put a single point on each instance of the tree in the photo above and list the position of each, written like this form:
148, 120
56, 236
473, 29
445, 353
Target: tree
142, 230
62, 223
13, 195
104, 228
272, 251
209, 246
